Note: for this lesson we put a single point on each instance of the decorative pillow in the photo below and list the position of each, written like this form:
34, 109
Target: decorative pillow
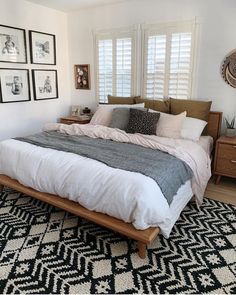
170, 125
192, 128
194, 108
142, 122
120, 117
121, 100
103, 114
157, 105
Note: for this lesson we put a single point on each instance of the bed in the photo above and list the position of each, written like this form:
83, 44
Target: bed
143, 232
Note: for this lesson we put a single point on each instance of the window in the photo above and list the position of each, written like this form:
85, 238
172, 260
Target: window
167, 52
168, 61
115, 63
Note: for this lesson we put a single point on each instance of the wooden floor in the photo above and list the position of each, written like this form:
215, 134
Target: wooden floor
225, 191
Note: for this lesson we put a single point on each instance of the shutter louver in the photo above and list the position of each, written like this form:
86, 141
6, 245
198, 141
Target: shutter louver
105, 69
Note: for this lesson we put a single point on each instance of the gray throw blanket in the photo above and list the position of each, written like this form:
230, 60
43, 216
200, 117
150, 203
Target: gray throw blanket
168, 171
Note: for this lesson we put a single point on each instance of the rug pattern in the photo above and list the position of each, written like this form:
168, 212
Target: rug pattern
46, 250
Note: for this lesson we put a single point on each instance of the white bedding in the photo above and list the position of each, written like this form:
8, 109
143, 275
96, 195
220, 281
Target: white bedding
126, 195
206, 142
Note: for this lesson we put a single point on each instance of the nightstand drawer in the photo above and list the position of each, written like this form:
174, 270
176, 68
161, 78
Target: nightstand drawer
227, 151
226, 166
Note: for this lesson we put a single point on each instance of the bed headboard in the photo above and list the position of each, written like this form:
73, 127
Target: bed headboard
214, 124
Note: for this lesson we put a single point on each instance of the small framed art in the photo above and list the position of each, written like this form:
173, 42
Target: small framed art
14, 85
12, 45
82, 76
45, 84
42, 48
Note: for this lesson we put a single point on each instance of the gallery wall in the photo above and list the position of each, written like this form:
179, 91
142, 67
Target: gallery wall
216, 21
24, 118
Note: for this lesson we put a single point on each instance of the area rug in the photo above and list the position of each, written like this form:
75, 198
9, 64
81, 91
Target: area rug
46, 250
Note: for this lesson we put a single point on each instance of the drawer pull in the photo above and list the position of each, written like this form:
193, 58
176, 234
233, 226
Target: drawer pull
233, 161
234, 146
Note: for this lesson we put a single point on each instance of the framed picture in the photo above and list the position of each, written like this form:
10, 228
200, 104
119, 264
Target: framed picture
82, 76
42, 48
14, 85
45, 84
12, 45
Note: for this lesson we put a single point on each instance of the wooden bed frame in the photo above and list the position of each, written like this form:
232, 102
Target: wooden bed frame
143, 237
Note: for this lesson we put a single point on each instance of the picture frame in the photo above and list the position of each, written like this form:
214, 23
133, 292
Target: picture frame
42, 48
75, 110
14, 85
82, 76
12, 45
45, 84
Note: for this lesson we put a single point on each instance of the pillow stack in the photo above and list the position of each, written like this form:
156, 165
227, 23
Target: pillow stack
172, 118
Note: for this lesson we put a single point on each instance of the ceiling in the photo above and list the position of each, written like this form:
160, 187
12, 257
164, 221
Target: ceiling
71, 5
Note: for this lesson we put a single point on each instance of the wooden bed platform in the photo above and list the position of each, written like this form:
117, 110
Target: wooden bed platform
143, 237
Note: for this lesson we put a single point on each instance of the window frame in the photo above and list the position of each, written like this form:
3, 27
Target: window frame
114, 34
168, 29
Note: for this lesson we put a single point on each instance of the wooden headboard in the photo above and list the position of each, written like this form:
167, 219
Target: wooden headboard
214, 125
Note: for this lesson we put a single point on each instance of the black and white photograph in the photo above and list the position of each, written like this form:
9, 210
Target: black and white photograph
12, 45
14, 85
42, 48
45, 84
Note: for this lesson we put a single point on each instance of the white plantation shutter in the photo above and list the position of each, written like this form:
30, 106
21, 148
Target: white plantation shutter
115, 63
155, 78
123, 66
168, 61
104, 69
180, 65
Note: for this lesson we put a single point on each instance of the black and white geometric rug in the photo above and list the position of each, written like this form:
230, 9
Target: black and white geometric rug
46, 250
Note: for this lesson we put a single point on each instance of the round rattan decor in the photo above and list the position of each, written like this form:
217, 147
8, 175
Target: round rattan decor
229, 69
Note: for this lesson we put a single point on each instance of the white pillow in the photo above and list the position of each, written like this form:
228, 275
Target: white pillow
103, 114
192, 128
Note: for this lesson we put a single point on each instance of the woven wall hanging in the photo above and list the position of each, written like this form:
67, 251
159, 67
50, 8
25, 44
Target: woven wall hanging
229, 69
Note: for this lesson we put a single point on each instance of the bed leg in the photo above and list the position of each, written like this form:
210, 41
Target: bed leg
1, 187
142, 250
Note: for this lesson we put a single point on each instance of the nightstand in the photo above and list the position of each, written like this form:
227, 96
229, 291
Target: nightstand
225, 157
74, 120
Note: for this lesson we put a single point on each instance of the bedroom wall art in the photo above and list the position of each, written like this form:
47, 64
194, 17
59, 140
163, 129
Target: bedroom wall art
14, 85
42, 48
12, 45
229, 69
45, 85
82, 76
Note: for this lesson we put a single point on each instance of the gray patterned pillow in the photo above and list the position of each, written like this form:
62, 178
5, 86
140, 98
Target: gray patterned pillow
142, 122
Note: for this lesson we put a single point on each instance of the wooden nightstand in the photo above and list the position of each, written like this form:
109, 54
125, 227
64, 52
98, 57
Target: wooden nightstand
73, 120
225, 157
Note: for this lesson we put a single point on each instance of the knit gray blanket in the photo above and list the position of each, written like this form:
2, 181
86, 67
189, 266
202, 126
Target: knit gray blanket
168, 171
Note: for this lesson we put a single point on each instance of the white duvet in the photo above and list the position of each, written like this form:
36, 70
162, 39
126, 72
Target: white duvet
126, 195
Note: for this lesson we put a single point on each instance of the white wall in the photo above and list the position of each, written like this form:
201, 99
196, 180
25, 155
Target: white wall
28, 117
217, 24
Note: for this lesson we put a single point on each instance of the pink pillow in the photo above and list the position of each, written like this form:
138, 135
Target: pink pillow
170, 125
